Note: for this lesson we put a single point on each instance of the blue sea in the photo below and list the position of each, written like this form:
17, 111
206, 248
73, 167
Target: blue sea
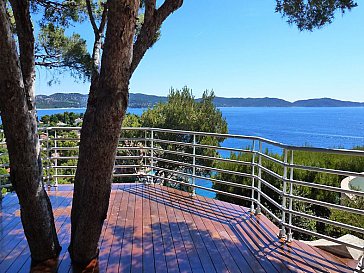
316, 127
326, 127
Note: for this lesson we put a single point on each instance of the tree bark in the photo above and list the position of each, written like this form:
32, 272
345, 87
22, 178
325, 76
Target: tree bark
17, 77
100, 132
106, 108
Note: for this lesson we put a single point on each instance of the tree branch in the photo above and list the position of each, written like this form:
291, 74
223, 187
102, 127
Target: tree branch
9, 65
152, 22
103, 19
167, 8
47, 56
92, 19
58, 64
48, 3
56, 5
149, 10
24, 29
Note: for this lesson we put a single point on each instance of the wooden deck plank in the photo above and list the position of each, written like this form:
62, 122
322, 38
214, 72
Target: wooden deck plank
306, 253
194, 260
258, 243
181, 253
9, 227
299, 257
148, 252
22, 249
117, 243
241, 255
169, 248
334, 261
126, 250
247, 256
213, 221
159, 229
65, 264
108, 226
10, 223
8, 200
284, 252
63, 233
295, 248
317, 257
63, 237
208, 235
255, 244
137, 250
158, 248
109, 230
7, 215
212, 226
196, 236
16, 243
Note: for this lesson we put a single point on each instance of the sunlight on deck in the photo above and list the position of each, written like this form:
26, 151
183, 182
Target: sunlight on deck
159, 229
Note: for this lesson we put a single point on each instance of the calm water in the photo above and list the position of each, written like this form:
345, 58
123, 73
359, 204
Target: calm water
43, 112
318, 127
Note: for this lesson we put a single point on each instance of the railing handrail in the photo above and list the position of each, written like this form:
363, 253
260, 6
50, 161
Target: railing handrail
246, 137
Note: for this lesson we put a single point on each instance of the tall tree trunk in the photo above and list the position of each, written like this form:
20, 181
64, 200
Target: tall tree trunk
100, 132
17, 77
106, 108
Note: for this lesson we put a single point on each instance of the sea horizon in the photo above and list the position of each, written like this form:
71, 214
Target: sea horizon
322, 127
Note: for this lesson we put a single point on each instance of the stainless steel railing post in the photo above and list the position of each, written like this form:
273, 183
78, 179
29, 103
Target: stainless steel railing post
282, 232
152, 154
259, 209
194, 166
252, 209
48, 163
56, 160
290, 234
145, 151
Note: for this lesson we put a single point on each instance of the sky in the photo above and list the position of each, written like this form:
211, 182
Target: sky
241, 48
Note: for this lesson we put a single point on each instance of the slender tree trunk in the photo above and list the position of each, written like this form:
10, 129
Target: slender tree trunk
17, 77
100, 132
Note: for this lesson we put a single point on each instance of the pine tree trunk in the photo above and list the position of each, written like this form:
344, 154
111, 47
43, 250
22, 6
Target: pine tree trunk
20, 127
100, 132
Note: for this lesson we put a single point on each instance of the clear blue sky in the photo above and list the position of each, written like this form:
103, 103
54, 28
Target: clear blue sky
245, 49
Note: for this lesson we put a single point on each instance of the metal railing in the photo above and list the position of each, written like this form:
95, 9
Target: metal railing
252, 171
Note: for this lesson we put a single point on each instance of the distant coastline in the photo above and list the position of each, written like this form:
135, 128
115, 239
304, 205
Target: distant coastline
325, 127
137, 100
63, 108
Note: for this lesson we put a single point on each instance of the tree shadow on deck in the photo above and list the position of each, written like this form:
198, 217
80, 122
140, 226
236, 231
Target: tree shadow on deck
161, 230
14, 250
251, 235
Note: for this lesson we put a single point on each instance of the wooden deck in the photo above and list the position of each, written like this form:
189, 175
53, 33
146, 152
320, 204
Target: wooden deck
158, 229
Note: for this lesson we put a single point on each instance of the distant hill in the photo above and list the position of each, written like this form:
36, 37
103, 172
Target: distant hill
76, 100
137, 100
326, 102
250, 102
61, 100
